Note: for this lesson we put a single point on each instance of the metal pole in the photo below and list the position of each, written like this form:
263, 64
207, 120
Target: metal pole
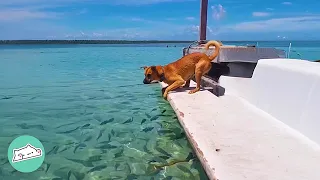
203, 20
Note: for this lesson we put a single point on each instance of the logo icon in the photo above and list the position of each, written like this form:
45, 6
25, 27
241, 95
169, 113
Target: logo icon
26, 153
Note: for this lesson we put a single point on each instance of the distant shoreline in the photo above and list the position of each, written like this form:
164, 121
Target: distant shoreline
87, 42
26, 42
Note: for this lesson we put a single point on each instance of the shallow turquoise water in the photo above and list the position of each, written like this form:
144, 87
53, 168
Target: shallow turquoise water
95, 118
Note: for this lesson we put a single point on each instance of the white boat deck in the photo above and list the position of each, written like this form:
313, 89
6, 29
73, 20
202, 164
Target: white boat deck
237, 137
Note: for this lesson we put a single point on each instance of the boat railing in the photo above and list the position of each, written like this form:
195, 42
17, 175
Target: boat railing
238, 53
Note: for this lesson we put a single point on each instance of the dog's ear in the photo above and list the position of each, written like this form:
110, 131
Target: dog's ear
143, 67
160, 72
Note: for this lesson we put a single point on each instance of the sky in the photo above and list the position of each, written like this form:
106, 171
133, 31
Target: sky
159, 19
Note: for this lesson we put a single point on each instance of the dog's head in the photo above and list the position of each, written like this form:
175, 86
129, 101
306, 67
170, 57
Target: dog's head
153, 74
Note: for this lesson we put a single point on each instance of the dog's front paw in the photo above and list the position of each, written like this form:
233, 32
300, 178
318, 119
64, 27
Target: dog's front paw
165, 96
163, 90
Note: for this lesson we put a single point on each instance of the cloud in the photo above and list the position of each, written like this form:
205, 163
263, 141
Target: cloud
82, 11
170, 19
190, 18
137, 19
269, 9
36, 30
286, 3
144, 2
218, 12
290, 24
65, 2
11, 15
260, 14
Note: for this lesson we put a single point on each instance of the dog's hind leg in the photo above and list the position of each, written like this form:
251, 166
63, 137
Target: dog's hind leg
187, 84
179, 82
201, 69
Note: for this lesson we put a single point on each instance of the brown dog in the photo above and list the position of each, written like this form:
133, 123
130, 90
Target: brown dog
179, 73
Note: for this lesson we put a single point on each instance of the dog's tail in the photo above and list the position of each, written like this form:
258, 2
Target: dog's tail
217, 45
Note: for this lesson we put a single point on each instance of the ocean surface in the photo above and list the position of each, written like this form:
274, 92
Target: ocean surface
96, 119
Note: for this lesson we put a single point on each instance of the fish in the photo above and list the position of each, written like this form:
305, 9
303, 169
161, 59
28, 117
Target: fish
165, 115
135, 109
7, 97
152, 170
113, 111
145, 148
154, 109
154, 118
97, 168
80, 145
109, 137
107, 121
118, 154
69, 175
57, 178
143, 121
112, 132
163, 111
180, 136
128, 121
84, 133
190, 156
64, 149
136, 112
14, 171
164, 157
85, 126
95, 158
79, 175
186, 170
70, 131
168, 178
159, 149
107, 146
158, 160
116, 166
53, 150
125, 102
164, 131
132, 176
177, 130
47, 167
104, 142
83, 162
26, 126
66, 124
100, 133
69, 142
147, 129
160, 124
148, 115
6, 161
195, 164
33, 98
88, 138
